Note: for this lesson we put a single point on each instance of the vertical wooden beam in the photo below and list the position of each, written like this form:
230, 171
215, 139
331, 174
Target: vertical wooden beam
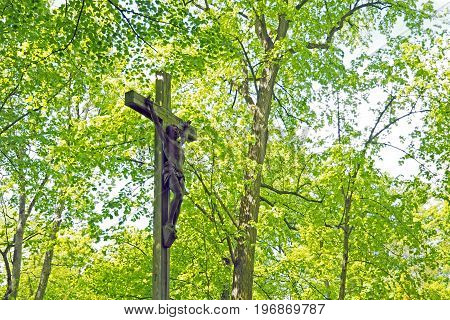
161, 255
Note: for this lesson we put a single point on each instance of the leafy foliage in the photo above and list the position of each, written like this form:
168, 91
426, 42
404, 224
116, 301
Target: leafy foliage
76, 170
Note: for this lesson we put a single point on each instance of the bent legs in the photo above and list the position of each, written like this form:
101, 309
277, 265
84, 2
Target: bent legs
176, 185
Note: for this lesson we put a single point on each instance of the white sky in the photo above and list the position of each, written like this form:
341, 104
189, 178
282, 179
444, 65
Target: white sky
389, 156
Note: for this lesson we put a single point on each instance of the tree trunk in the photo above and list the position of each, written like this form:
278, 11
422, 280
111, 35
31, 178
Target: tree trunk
18, 246
8, 273
345, 247
47, 265
24, 213
249, 208
344, 264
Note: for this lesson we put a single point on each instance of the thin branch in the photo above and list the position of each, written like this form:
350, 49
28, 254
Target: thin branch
395, 121
290, 225
140, 163
269, 297
131, 25
31, 236
263, 199
422, 165
12, 92
10, 125
286, 91
242, 14
202, 210
10, 161
301, 4
234, 99
283, 192
315, 288
117, 144
135, 246
209, 193
272, 204
249, 64
37, 194
140, 14
284, 108
391, 100
333, 226
73, 34
225, 209
8, 273
340, 24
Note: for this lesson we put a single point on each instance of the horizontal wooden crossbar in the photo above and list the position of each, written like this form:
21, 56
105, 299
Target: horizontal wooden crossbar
137, 102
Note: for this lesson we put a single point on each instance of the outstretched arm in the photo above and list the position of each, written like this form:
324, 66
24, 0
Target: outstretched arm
184, 128
155, 119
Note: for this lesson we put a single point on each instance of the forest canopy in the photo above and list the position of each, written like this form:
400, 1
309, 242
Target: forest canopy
321, 168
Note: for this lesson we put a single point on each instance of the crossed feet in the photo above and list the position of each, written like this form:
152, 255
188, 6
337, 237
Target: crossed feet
169, 235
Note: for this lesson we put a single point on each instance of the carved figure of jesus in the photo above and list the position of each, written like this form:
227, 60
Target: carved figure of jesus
173, 139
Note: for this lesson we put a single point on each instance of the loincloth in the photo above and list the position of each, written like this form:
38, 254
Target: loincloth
170, 170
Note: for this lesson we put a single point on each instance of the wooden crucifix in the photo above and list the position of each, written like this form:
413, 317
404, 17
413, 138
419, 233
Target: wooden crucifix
168, 175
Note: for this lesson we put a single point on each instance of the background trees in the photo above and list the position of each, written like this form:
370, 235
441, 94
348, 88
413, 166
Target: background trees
293, 191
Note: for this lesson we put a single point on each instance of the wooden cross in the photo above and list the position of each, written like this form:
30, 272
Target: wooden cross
161, 106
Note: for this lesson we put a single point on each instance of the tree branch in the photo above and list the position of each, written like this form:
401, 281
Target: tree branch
422, 165
12, 92
140, 14
261, 32
211, 218
284, 108
283, 25
391, 100
290, 225
10, 125
249, 64
395, 121
209, 193
37, 194
8, 273
73, 34
340, 24
131, 25
135, 246
283, 192
301, 4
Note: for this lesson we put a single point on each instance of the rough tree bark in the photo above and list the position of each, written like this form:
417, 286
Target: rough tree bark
8, 272
24, 214
47, 264
18, 246
347, 229
249, 207
345, 246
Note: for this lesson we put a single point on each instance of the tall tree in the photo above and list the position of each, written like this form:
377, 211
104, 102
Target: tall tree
269, 37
